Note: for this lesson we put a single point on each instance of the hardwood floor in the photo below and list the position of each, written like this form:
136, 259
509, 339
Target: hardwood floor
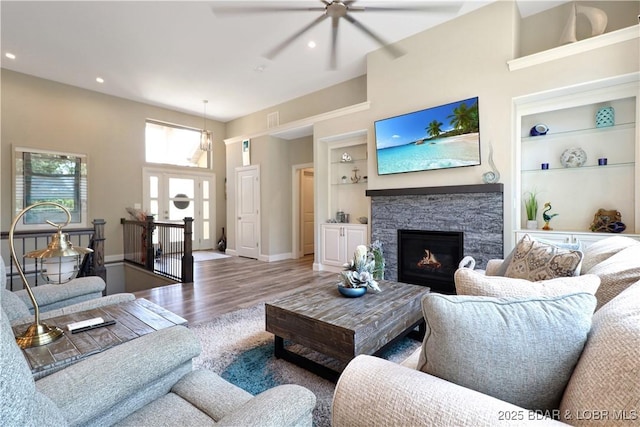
228, 284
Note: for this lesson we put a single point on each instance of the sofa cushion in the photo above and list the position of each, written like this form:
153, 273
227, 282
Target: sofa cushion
607, 376
535, 260
604, 249
470, 282
520, 350
617, 273
12, 305
22, 404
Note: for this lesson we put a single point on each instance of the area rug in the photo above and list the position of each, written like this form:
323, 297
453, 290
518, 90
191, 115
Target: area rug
237, 347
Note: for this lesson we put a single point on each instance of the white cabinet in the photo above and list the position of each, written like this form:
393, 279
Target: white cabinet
339, 242
577, 190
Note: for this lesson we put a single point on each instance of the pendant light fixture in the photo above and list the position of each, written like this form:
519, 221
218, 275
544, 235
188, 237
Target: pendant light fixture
205, 135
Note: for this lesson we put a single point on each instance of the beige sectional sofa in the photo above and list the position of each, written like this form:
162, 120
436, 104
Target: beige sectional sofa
602, 387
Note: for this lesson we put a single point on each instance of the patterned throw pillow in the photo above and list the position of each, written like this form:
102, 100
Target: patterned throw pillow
533, 260
519, 350
470, 282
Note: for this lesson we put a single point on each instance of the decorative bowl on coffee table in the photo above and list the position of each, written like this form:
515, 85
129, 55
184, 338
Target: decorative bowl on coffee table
352, 292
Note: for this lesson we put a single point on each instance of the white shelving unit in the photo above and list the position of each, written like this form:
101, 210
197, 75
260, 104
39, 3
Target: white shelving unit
576, 193
348, 194
347, 185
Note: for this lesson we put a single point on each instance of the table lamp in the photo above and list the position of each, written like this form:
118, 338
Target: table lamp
59, 263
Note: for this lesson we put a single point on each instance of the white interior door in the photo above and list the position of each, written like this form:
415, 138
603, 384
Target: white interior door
171, 197
307, 212
248, 211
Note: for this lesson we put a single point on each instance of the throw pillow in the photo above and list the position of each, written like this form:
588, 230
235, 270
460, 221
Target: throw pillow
519, 350
534, 260
607, 377
502, 270
470, 282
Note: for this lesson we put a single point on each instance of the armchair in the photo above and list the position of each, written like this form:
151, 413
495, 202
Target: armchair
146, 381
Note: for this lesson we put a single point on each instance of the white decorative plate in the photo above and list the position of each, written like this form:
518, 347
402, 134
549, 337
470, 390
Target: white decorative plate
573, 157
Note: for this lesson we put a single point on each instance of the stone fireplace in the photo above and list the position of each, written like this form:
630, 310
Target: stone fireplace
429, 258
474, 211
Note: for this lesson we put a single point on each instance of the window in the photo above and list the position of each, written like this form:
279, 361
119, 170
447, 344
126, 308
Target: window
174, 145
46, 176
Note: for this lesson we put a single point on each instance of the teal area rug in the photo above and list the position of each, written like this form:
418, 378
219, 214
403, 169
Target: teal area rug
237, 347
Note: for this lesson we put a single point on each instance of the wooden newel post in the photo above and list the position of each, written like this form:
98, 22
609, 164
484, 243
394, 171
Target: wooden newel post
187, 258
98, 268
150, 255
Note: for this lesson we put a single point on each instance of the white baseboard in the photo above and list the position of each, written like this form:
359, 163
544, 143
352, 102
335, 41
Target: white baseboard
277, 257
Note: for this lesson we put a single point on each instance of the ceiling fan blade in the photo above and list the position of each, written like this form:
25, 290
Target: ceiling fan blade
333, 62
232, 8
279, 48
431, 8
390, 49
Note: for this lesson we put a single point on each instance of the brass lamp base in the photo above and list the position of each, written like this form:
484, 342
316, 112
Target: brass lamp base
38, 334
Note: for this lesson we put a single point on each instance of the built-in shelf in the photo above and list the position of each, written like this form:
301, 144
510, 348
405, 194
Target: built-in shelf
603, 40
569, 170
578, 132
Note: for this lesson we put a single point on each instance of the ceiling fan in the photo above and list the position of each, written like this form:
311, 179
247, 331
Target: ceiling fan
335, 10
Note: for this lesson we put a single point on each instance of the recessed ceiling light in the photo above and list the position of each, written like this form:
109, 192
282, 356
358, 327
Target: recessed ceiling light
10, 55
99, 79
311, 44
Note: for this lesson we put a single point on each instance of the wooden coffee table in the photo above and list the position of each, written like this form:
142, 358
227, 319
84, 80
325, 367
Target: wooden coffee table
133, 319
323, 320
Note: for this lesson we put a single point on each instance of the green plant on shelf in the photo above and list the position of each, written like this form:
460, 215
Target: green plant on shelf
531, 205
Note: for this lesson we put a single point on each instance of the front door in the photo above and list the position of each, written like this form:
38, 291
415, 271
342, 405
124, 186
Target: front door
248, 211
172, 196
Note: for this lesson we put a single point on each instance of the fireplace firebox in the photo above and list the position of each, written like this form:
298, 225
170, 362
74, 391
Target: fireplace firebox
429, 258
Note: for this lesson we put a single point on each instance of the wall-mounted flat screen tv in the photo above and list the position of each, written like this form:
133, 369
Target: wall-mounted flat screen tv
441, 137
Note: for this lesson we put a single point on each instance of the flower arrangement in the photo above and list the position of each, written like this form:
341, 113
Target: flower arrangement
366, 266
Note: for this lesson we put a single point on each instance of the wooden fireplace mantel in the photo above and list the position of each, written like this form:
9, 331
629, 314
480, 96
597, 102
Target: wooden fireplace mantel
447, 189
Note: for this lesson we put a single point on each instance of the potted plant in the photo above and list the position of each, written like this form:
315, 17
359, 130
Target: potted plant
531, 207
360, 272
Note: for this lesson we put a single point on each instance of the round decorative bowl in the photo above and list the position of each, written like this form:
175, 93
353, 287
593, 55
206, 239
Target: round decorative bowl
539, 129
352, 292
573, 157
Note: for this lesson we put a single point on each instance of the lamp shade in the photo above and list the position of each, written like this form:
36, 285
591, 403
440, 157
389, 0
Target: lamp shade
60, 261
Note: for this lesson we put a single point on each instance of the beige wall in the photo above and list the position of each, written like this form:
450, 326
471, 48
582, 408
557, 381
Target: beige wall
39, 113
351, 92
276, 157
457, 60
543, 30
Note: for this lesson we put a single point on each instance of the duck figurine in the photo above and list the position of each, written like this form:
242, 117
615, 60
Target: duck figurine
547, 217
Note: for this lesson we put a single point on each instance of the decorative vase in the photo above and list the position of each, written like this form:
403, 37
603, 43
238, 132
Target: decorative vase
352, 292
605, 117
532, 224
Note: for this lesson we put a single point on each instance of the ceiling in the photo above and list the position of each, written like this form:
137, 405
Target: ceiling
175, 54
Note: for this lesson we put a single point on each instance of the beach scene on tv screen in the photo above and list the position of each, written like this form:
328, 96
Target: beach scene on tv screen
441, 137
